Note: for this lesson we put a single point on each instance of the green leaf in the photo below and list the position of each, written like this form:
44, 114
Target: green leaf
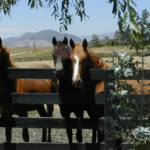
29, 2
124, 19
65, 27
33, 3
134, 25
133, 2
114, 11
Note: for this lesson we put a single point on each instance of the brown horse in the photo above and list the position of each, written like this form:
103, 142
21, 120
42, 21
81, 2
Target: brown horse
8, 85
61, 54
82, 62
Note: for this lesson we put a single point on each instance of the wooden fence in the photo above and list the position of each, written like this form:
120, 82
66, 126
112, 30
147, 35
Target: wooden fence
45, 122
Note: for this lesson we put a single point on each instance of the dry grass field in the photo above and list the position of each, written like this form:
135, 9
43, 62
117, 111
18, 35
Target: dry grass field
46, 51
26, 64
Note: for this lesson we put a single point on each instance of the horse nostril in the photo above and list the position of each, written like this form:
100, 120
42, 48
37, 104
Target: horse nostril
79, 82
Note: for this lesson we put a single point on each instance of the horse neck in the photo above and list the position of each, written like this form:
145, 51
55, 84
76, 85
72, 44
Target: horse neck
94, 60
98, 62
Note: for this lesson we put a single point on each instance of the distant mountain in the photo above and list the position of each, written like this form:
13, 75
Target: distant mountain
101, 36
41, 38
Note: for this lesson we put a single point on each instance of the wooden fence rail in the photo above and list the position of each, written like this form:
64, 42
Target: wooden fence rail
47, 98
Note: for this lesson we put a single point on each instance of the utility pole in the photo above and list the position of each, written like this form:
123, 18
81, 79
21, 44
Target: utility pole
34, 45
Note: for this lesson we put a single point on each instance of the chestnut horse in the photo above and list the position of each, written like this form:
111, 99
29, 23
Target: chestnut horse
61, 54
8, 86
82, 62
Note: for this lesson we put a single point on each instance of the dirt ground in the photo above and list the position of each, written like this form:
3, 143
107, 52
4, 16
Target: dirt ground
26, 64
58, 135
50, 62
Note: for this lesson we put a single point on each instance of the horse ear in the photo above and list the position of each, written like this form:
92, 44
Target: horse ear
54, 41
85, 43
72, 44
65, 41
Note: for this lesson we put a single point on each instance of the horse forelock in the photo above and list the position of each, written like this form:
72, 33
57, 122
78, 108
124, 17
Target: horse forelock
79, 51
62, 50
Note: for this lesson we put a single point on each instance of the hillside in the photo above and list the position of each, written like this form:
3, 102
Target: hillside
42, 39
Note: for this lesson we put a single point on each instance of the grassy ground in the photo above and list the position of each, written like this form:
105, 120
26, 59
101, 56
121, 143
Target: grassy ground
46, 51
24, 53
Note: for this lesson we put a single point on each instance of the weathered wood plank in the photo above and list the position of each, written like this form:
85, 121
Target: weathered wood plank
40, 73
63, 98
50, 98
37, 73
96, 74
50, 146
46, 122
65, 146
65, 123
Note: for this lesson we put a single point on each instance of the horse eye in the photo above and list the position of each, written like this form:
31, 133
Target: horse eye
84, 59
70, 60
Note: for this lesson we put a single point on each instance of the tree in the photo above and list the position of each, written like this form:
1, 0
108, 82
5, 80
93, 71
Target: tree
105, 39
96, 42
122, 8
144, 25
123, 38
95, 39
141, 39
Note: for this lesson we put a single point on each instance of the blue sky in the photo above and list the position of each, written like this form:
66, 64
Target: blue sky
23, 19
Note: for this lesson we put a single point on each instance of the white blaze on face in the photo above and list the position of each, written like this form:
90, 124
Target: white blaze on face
76, 68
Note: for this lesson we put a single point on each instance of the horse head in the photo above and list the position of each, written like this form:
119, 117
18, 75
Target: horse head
80, 62
60, 55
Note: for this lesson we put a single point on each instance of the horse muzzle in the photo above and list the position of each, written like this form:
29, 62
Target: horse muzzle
59, 74
77, 83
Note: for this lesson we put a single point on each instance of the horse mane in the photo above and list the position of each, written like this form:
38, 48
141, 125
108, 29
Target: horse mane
6, 53
62, 50
98, 62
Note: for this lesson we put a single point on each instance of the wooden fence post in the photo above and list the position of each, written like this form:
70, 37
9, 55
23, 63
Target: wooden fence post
108, 112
